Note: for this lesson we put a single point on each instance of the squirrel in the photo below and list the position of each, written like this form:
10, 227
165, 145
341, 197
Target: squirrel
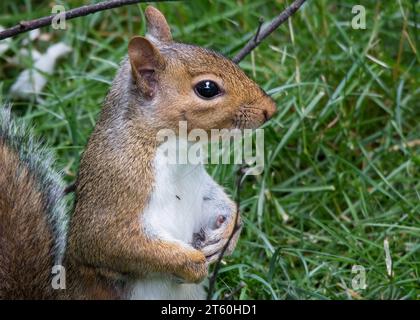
140, 228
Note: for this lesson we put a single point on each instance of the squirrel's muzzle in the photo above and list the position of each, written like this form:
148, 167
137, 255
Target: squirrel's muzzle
269, 107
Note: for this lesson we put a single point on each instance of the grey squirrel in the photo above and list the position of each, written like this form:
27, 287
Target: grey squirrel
141, 228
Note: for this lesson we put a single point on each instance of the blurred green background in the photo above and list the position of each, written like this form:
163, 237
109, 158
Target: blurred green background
342, 154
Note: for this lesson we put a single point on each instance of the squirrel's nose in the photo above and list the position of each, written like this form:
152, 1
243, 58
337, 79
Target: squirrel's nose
269, 108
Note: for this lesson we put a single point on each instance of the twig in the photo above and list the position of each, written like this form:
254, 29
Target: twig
266, 31
25, 26
70, 188
230, 295
212, 280
260, 23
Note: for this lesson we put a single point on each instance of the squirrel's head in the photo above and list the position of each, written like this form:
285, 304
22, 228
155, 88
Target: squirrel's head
180, 82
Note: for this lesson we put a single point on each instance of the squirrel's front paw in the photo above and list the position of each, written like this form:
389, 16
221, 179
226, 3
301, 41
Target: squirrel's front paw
212, 241
193, 270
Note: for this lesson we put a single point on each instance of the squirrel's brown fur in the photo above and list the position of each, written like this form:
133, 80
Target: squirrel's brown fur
32, 217
26, 240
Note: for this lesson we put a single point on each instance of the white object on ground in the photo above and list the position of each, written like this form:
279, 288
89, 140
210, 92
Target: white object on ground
32, 35
35, 54
30, 82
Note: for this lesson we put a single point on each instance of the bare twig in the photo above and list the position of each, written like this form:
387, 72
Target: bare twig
24, 26
263, 33
212, 280
70, 188
229, 296
260, 23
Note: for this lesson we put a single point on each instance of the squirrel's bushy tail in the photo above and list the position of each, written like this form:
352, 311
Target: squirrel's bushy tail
32, 215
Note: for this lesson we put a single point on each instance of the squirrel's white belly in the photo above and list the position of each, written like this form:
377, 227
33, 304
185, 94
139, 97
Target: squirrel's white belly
161, 287
174, 211
173, 214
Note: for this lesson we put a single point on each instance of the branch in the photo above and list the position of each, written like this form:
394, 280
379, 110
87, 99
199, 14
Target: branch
263, 33
213, 278
229, 296
70, 188
25, 26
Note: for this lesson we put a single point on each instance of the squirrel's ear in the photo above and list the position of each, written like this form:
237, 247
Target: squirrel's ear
157, 27
145, 60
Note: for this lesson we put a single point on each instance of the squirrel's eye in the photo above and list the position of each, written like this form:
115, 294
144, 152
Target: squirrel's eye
207, 89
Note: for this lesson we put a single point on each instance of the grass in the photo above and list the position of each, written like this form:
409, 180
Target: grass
342, 154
